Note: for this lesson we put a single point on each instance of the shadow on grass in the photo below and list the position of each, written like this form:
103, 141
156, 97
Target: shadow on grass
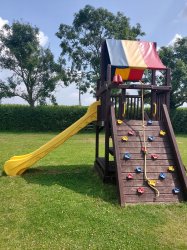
81, 179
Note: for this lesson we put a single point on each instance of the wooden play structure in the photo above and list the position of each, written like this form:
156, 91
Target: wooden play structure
141, 154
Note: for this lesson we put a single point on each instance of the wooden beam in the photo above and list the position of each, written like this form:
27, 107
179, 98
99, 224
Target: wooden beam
176, 152
138, 86
117, 157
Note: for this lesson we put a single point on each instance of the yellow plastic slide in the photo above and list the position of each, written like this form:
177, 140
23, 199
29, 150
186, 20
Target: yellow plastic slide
19, 164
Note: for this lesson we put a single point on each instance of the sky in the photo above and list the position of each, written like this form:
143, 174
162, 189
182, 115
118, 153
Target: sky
161, 20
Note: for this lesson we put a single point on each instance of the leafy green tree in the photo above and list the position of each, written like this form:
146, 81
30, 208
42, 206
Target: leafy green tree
34, 73
81, 41
175, 57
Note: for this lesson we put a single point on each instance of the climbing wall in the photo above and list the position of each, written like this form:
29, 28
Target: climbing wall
161, 166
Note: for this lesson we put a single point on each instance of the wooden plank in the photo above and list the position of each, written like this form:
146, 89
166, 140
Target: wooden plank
150, 175
158, 162
139, 123
140, 128
140, 138
139, 134
131, 144
136, 156
148, 190
150, 150
150, 169
141, 183
150, 198
138, 86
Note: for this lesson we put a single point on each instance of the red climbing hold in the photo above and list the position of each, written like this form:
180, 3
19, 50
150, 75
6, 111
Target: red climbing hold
120, 80
115, 79
130, 176
140, 190
144, 150
131, 132
154, 156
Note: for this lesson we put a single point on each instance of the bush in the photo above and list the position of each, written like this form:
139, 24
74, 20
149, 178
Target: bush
42, 118
57, 118
179, 120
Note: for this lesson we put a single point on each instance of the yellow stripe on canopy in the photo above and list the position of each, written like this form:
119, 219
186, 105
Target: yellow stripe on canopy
124, 73
133, 54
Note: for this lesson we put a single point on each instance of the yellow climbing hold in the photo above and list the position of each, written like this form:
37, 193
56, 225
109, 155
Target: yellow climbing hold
119, 122
162, 133
171, 168
152, 183
124, 138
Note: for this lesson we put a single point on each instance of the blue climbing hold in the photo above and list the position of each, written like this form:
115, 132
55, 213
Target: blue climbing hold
138, 170
176, 190
126, 156
149, 122
151, 138
162, 176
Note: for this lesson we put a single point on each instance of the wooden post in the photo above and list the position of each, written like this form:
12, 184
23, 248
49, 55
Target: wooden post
107, 120
168, 83
153, 95
123, 103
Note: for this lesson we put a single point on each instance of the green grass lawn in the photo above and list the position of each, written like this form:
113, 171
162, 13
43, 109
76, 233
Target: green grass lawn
62, 204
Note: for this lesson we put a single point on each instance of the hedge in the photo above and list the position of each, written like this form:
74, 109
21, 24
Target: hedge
41, 118
57, 118
179, 120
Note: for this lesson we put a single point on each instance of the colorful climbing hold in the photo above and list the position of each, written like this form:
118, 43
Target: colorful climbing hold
171, 169
151, 138
124, 138
149, 122
117, 79
138, 170
130, 132
152, 183
120, 79
162, 176
130, 176
162, 133
119, 122
176, 190
144, 150
126, 156
140, 190
154, 156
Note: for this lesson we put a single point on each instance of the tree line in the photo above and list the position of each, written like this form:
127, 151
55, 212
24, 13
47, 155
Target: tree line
34, 74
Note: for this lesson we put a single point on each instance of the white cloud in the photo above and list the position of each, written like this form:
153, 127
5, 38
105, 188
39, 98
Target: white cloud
43, 39
3, 22
174, 39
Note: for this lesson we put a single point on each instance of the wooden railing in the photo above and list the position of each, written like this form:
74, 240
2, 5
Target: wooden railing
128, 106
176, 153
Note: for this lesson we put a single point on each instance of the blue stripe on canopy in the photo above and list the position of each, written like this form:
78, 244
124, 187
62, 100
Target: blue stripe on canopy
116, 53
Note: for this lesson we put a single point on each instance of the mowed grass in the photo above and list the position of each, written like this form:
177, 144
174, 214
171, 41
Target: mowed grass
62, 204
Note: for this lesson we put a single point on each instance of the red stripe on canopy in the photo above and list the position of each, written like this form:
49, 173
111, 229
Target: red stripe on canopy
150, 55
135, 74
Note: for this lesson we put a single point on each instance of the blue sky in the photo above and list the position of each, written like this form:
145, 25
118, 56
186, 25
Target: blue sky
161, 20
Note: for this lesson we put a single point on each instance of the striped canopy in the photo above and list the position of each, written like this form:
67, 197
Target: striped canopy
131, 58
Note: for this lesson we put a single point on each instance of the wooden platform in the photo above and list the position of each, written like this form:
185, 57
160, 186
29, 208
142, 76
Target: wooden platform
160, 146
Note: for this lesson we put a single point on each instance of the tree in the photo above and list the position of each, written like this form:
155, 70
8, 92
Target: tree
175, 57
34, 74
81, 41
